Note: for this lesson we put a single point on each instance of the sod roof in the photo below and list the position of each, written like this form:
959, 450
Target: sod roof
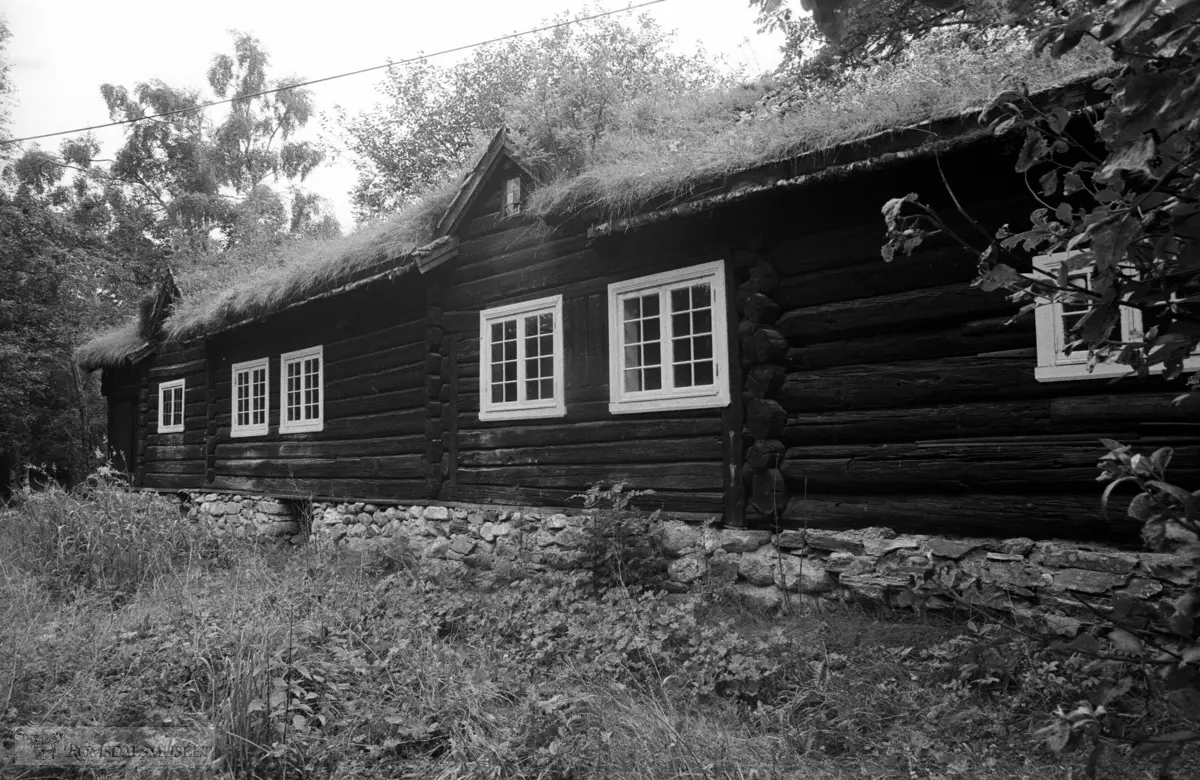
686, 151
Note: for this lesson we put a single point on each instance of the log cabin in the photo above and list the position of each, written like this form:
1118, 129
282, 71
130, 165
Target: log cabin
744, 352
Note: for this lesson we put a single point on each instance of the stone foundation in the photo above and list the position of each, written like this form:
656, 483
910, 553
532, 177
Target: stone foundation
1036, 580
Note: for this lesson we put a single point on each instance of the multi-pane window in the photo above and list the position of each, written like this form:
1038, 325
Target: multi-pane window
668, 341
512, 196
170, 406
250, 392
1054, 322
521, 360
301, 391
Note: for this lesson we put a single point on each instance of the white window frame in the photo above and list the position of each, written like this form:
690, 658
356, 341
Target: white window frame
252, 429
522, 408
165, 389
622, 401
299, 356
512, 197
1054, 364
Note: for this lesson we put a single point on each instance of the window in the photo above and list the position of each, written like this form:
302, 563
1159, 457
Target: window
1055, 320
667, 341
250, 389
170, 406
512, 196
300, 391
521, 361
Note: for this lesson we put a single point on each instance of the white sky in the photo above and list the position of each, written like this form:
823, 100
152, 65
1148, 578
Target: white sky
61, 51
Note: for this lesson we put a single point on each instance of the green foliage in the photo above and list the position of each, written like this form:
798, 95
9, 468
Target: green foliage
560, 92
613, 520
101, 537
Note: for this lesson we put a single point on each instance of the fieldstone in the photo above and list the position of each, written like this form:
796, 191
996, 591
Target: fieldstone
573, 538
273, 508
1165, 566
437, 529
791, 540
357, 530
1066, 557
1140, 588
951, 548
844, 561
371, 530
371, 508
438, 548
436, 513
336, 533
872, 586
543, 538
414, 512
1087, 580
758, 567
677, 538
758, 597
803, 576
850, 541
458, 525
487, 532
1018, 574
330, 517
740, 540
502, 528
379, 518
357, 507
884, 546
1016, 546
484, 548
280, 528
462, 544
687, 569
995, 556
360, 545
556, 522
507, 549
563, 560
723, 569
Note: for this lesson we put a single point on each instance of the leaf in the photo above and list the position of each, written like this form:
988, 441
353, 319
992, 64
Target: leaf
1179, 494
997, 277
1049, 183
1125, 19
1110, 692
1125, 642
1084, 643
1033, 151
1057, 735
1162, 458
1133, 156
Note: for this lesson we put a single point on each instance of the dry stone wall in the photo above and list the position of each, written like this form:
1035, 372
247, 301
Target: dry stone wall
1043, 581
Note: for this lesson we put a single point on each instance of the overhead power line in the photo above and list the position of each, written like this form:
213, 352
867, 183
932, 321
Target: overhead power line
309, 83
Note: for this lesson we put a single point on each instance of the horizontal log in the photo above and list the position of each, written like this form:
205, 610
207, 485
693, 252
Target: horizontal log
954, 380
395, 378
391, 357
1132, 407
922, 422
1073, 516
508, 250
173, 481
393, 337
906, 311
286, 448
320, 489
673, 476
667, 501
175, 466
950, 342
192, 437
991, 467
620, 453
555, 432
175, 370
385, 467
929, 268
178, 452
399, 400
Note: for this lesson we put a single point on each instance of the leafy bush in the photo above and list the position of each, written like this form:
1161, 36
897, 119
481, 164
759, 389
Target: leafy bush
102, 536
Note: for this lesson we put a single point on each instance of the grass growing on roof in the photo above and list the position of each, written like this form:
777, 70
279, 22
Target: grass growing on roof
678, 145
112, 347
219, 295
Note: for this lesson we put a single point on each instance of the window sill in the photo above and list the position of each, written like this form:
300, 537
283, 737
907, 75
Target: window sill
1076, 371
669, 403
241, 433
536, 413
305, 427
170, 429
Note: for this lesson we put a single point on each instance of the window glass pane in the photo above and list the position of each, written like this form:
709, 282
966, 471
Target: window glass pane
701, 296
547, 388
652, 354
653, 378
681, 324
683, 374
683, 349
703, 372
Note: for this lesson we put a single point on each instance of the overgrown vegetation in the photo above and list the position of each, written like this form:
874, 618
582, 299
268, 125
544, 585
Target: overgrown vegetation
308, 664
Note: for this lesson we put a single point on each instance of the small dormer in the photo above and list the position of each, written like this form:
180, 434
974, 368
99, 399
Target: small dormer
496, 188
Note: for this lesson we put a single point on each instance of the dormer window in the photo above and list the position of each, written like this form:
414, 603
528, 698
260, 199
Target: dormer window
512, 196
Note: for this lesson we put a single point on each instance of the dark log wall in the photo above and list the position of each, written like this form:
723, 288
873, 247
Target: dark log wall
173, 460
373, 442
545, 461
906, 399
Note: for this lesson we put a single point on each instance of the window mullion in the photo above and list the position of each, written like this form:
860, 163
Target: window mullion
520, 331
667, 332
